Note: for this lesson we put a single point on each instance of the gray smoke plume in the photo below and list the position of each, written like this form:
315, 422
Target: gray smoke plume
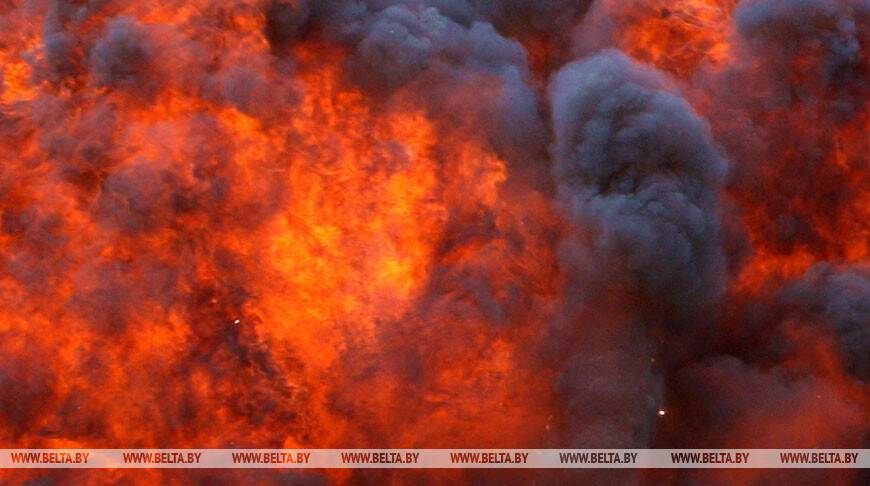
637, 176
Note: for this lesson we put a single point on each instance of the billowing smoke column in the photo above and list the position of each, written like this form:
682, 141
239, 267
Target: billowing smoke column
637, 178
443, 223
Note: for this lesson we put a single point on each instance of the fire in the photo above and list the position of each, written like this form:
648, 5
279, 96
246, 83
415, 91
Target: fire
677, 37
421, 224
682, 35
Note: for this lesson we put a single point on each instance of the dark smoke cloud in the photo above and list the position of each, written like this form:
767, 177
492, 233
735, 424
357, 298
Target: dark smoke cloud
831, 35
805, 65
552, 17
468, 76
123, 58
637, 176
802, 53
286, 19
836, 301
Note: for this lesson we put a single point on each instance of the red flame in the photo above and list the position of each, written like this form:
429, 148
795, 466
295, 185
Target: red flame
216, 233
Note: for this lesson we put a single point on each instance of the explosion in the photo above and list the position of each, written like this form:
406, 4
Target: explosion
434, 224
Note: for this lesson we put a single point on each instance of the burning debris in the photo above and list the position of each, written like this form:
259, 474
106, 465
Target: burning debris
434, 224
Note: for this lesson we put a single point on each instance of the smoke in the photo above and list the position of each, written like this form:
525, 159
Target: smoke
122, 57
806, 64
637, 169
835, 301
434, 223
637, 176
